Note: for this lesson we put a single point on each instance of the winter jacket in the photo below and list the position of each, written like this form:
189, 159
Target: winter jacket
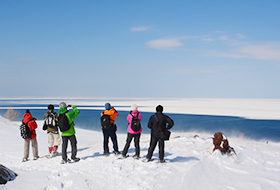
157, 123
71, 115
31, 124
112, 113
51, 129
129, 119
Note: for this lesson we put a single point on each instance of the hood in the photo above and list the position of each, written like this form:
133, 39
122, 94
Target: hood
27, 117
62, 110
135, 112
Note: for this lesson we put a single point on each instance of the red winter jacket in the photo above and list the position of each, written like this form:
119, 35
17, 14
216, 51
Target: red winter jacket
31, 124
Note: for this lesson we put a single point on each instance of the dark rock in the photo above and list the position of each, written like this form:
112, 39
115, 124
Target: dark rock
6, 174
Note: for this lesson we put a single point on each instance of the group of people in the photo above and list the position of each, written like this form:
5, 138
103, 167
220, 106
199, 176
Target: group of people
51, 126
158, 123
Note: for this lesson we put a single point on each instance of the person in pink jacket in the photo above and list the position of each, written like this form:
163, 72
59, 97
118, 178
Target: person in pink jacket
134, 130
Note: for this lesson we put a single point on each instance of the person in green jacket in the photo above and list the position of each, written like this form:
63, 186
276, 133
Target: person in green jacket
69, 134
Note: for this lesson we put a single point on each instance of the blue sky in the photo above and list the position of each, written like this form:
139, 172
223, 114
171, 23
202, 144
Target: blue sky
197, 49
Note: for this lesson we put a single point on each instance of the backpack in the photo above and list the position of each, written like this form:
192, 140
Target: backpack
135, 123
50, 121
63, 122
25, 132
105, 122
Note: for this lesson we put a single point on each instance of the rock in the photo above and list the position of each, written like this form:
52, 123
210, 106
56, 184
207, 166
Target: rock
6, 174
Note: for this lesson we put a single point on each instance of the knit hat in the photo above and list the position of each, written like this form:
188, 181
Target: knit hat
134, 107
108, 106
50, 107
159, 108
62, 105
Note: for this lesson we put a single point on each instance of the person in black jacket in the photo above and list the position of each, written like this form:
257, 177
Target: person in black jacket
157, 123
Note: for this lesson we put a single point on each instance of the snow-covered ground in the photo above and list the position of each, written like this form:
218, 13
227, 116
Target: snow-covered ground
190, 161
190, 164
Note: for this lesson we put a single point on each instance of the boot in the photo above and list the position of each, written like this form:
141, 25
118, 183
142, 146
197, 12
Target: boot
55, 151
50, 149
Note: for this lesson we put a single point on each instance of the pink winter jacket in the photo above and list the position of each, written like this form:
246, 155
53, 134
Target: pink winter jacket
129, 119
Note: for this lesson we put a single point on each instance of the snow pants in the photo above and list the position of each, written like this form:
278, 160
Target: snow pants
152, 147
73, 142
112, 134
136, 143
34, 148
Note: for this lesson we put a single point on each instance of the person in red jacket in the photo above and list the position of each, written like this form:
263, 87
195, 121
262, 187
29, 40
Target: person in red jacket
32, 125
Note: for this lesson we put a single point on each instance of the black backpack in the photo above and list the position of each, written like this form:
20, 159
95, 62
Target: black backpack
135, 123
105, 122
63, 122
25, 132
50, 120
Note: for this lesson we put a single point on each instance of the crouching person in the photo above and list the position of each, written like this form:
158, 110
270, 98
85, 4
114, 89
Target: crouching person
221, 143
66, 126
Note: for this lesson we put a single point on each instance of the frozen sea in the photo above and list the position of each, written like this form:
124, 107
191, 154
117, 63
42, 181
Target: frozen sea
89, 118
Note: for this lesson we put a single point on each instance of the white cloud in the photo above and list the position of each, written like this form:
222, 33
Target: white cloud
207, 39
224, 37
164, 43
139, 28
241, 36
263, 52
259, 52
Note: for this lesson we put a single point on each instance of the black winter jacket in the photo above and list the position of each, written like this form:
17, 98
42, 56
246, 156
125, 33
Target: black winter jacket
157, 123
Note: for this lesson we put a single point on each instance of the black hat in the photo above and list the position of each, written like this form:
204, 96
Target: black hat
159, 108
50, 107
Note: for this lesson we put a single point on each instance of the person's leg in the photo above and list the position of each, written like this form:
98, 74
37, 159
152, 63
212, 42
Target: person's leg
113, 136
106, 142
128, 141
64, 147
26, 149
50, 142
152, 147
137, 144
73, 142
161, 149
35, 148
57, 142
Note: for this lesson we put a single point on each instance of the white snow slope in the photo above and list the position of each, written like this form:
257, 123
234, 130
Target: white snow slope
190, 164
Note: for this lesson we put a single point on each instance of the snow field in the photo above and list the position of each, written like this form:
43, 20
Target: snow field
190, 164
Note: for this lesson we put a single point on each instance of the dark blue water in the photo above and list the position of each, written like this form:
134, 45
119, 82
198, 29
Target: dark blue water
251, 128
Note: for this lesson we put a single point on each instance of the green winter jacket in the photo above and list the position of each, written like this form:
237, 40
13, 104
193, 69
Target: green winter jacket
71, 115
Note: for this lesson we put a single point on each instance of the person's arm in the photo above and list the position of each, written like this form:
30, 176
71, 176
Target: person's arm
129, 118
140, 116
32, 125
45, 116
73, 114
169, 121
114, 115
150, 123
